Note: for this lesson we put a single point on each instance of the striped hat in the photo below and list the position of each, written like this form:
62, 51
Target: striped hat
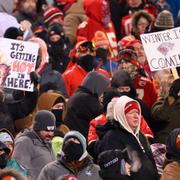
51, 13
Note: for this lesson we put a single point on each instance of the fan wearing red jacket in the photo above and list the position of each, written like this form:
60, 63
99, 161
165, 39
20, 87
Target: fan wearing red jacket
73, 76
99, 19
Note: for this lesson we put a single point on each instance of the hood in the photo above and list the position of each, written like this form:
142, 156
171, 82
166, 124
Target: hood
122, 78
50, 97
6, 6
6, 136
95, 82
119, 114
97, 9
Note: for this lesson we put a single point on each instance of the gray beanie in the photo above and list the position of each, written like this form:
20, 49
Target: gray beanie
164, 20
44, 120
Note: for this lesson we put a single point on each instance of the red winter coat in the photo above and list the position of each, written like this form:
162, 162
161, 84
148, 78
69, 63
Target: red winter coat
87, 29
75, 75
145, 91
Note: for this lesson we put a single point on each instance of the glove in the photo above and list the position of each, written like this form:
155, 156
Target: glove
113, 164
35, 78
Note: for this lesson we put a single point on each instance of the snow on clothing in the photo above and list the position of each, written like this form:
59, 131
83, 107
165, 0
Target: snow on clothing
84, 105
59, 168
75, 75
32, 153
166, 118
88, 29
120, 136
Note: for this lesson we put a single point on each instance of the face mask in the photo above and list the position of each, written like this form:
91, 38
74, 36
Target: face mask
3, 160
58, 114
57, 47
72, 151
87, 63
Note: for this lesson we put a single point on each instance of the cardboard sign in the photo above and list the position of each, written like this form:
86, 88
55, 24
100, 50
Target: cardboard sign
17, 61
162, 49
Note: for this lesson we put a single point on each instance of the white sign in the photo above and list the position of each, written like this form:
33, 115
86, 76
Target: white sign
162, 49
17, 60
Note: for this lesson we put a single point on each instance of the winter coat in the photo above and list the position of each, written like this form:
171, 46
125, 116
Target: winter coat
118, 134
171, 171
166, 118
52, 80
118, 138
84, 105
75, 75
73, 17
32, 153
88, 29
11, 112
145, 91
59, 168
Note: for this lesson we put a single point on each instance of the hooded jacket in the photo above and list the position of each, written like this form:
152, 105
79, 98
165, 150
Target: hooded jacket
5, 135
98, 21
32, 153
118, 135
59, 169
83, 106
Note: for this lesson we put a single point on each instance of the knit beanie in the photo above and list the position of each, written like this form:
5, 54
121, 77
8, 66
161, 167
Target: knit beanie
131, 105
55, 28
44, 120
173, 145
51, 13
13, 33
77, 135
164, 20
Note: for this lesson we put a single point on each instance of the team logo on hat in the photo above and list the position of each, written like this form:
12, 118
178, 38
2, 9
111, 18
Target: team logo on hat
50, 128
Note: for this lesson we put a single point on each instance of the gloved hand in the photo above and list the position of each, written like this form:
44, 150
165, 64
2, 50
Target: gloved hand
114, 164
35, 78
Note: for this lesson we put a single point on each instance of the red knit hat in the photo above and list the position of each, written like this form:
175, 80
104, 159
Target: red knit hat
51, 13
131, 105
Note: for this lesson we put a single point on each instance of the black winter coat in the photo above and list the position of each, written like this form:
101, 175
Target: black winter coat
118, 138
83, 106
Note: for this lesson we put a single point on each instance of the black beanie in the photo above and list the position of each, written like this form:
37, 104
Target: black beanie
44, 120
55, 28
13, 33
